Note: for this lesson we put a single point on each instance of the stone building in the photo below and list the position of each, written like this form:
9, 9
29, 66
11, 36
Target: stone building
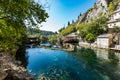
104, 41
114, 19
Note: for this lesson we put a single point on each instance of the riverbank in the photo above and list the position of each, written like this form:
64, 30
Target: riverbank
92, 45
11, 69
86, 44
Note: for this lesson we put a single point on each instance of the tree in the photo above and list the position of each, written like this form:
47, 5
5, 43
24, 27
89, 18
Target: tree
56, 32
80, 14
111, 7
116, 29
89, 31
90, 37
68, 30
14, 14
68, 23
53, 39
72, 21
61, 29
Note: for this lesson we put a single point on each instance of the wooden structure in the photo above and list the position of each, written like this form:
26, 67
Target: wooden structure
71, 38
69, 42
32, 41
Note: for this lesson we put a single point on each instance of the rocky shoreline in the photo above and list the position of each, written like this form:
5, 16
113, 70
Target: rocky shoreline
11, 69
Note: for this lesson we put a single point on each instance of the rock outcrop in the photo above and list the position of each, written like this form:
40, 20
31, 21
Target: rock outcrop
99, 8
10, 69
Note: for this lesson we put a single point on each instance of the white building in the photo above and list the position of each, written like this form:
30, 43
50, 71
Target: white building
104, 41
114, 19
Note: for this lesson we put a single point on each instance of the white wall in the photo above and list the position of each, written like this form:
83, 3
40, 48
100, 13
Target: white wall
111, 25
116, 15
103, 42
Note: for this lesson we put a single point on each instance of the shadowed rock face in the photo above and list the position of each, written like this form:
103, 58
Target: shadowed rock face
3, 75
70, 40
15, 75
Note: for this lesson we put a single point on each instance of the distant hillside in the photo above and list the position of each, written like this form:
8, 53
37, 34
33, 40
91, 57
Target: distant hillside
46, 33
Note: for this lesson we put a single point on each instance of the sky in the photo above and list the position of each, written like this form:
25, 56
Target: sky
62, 11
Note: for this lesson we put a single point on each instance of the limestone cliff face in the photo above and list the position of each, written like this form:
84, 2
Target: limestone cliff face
99, 8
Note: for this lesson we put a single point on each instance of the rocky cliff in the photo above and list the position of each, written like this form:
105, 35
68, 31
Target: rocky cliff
99, 8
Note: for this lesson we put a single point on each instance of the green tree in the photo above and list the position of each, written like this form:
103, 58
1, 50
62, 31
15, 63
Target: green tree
111, 7
14, 14
53, 39
68, 30
61, 29
90, 37
116, 29
72, 21
68, 23
96, 27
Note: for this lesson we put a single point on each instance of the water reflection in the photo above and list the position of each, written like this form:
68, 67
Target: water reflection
20, 55
84, 64
113, 57
108, 63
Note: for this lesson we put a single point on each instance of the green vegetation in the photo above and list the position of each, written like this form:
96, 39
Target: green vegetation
116, 29
53, 38
68, 30
68, 23
111, 7
9, 36
61, 29
14, 16
89, 31
90, 37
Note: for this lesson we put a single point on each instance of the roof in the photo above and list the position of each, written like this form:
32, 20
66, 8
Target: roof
70, 38
104, 36
71, 35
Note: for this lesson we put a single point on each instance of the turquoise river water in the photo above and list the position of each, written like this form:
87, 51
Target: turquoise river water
84, 64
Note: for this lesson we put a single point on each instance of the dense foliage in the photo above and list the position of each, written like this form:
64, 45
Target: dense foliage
68, 30
89, 31
15, 15
111, 7
53, 38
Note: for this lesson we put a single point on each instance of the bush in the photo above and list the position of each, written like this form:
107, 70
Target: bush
90, 37
89, 31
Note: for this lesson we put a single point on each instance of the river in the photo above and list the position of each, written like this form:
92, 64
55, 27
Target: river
84, 64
